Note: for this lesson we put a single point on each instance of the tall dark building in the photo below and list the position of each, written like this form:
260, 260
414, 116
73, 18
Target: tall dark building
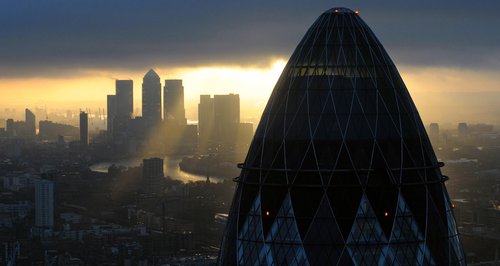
434, 134
463, 131
151, 98
44, 208
205, 121
44, 203
9, 128
173, 102
30, 124
152, 172
84, 128
124, 98
340, 170
111, 102
227, 118
219, 119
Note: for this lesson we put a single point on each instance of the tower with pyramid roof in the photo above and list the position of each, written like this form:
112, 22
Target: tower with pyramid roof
151, 98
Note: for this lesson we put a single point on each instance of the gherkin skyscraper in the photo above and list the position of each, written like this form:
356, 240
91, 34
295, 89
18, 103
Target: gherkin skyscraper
341, 170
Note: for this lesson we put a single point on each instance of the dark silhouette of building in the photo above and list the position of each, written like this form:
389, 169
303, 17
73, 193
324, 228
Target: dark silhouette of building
111, 104
120, 110
340, 170
177, 136
124, 98
44, 208
219, 119
151, 98
463, 131
29, 124
205, 121
51, 131
9, 128
227, 118
44, 203
22, 129
84, 128
173, 103
434, 134
152, 173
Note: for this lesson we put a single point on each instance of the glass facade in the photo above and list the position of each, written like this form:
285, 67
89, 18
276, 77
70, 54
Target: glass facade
340, 170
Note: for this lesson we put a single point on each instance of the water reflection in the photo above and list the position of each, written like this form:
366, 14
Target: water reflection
170, 168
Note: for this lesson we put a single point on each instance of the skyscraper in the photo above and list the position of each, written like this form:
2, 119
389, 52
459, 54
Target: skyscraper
22, 129
124, 98
219, 119
44, 204
340, 170
10, 128
205, 121
434, 134
151, 98
173, 102
111, 104
463, 131
84, 128
152, 172
30, 124
227, 118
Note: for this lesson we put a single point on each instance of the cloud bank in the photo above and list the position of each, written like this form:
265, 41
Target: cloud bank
59, 37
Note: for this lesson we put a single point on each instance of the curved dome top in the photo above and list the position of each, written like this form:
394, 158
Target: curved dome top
340, 170
341, 10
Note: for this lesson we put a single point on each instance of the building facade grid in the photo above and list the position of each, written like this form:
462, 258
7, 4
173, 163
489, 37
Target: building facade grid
341, 170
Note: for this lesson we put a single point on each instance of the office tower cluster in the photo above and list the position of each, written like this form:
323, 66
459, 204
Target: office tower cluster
218, 127
129, 134
219, 122
161, 129
22, 129
47, 130
341, 170
170, 134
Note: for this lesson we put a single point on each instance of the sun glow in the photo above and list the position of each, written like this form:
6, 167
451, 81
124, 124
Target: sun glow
89, 90
254, 85
436, 91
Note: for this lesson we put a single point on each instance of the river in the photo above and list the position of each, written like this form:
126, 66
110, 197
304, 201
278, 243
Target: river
170, 168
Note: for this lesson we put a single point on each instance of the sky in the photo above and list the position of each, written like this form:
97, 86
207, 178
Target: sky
67, 54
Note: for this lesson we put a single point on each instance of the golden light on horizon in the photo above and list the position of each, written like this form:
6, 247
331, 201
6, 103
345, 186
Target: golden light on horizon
251, 82
254, 84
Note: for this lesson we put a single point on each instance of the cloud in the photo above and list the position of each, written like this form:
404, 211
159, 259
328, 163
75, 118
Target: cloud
60, 37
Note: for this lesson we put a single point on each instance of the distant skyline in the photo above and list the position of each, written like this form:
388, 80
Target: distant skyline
69, 53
